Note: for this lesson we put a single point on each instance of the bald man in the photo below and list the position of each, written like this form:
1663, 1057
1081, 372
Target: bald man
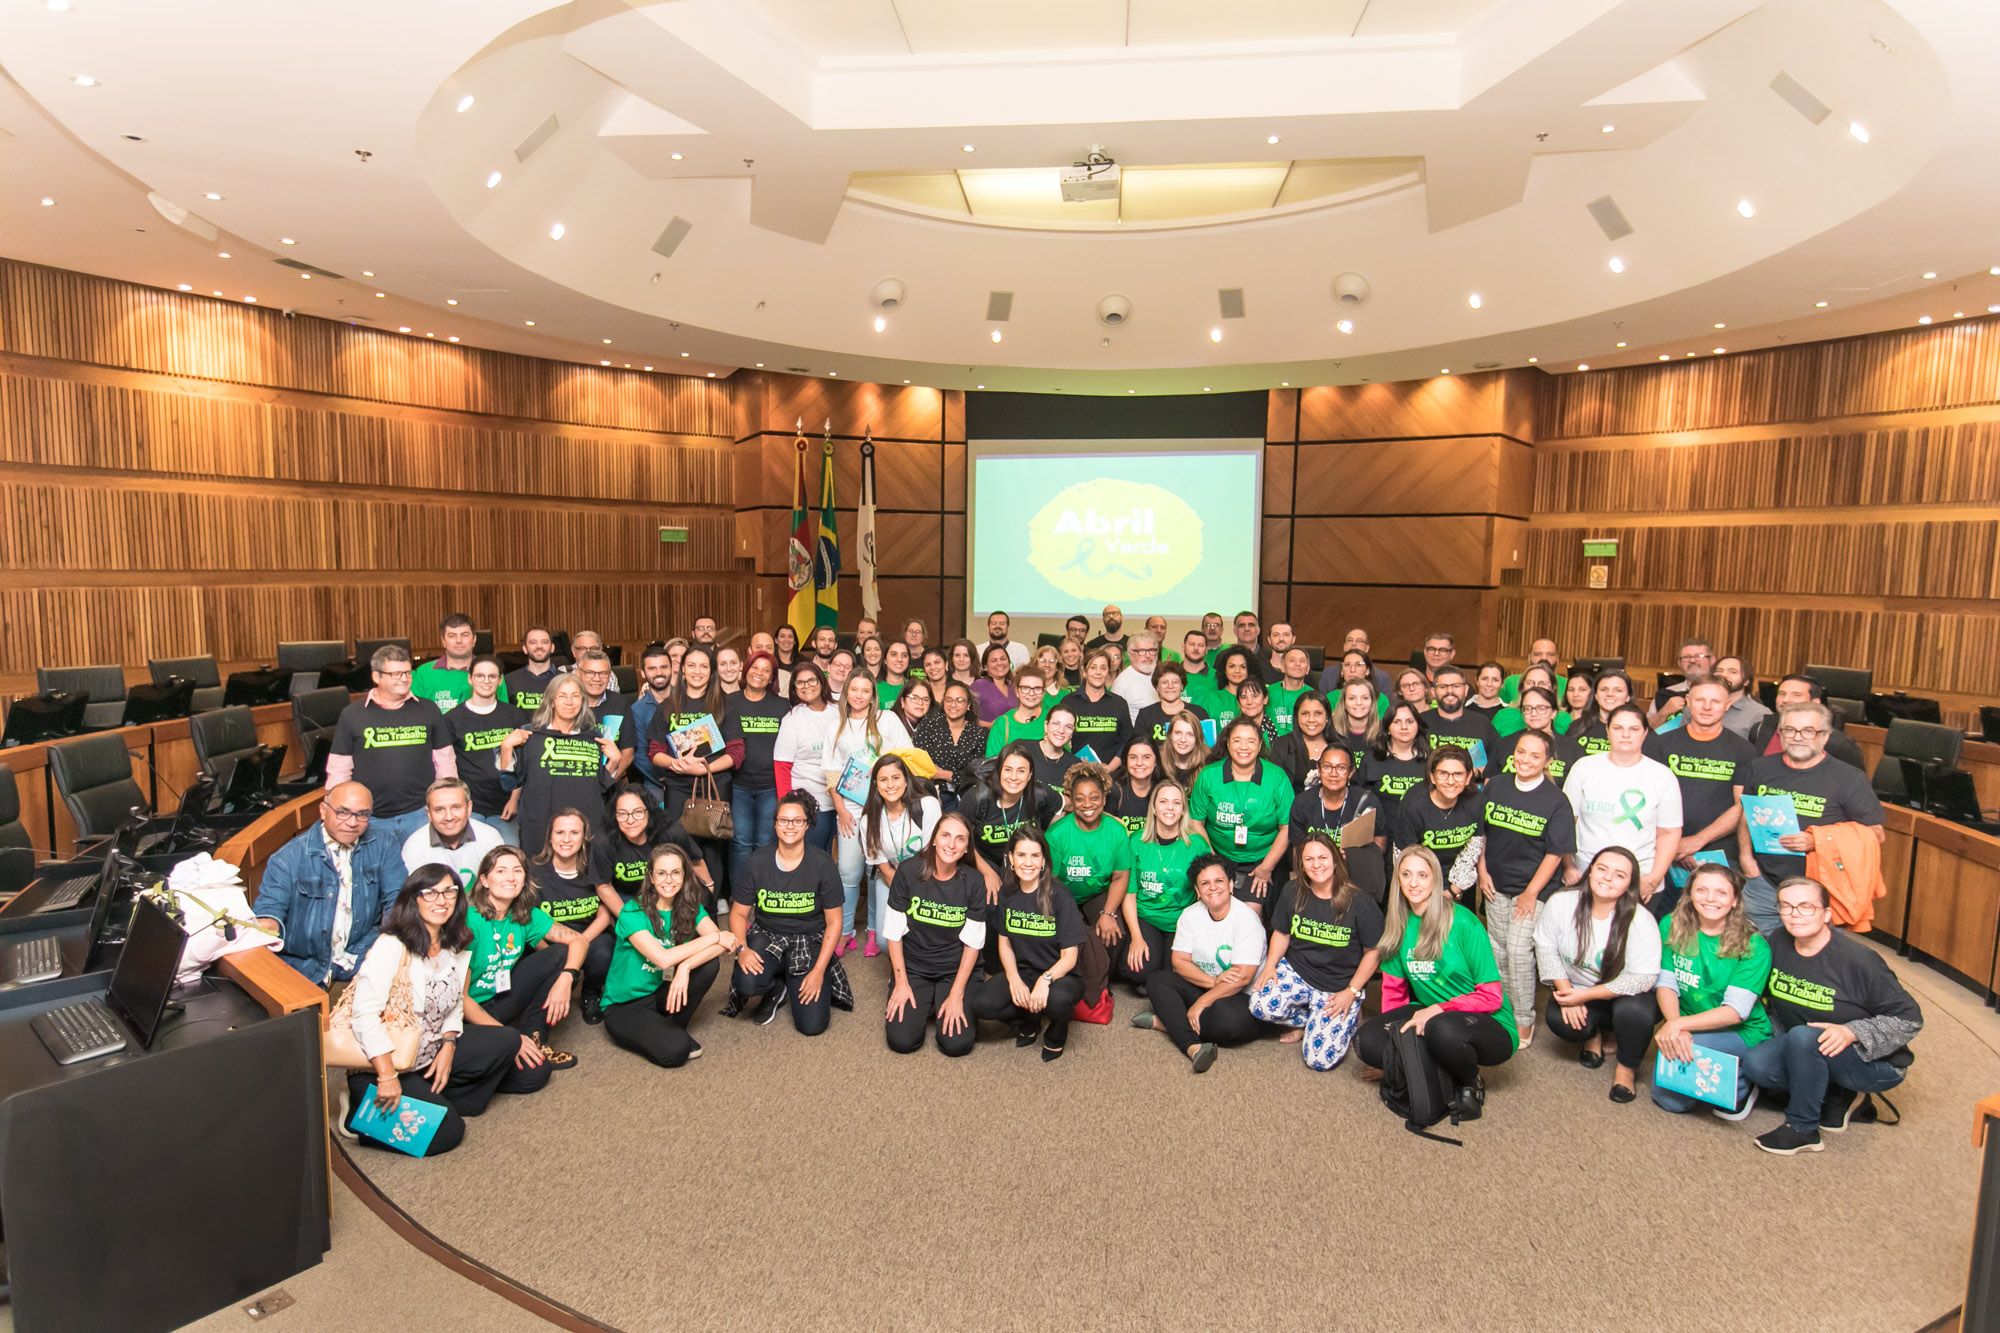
1114, 631
325, 891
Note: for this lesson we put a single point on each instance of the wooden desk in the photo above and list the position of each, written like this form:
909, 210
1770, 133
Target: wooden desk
1979, 759
252, 847
1944, 895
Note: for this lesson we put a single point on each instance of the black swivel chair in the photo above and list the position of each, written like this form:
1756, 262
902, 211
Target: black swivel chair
625, 680
482, 643
317, 713
17, 845
364, 650
207, 678
1913, 753
94, 777
106, 685
304, 658
221, 738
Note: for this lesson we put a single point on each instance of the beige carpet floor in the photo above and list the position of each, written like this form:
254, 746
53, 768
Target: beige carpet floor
784, 1183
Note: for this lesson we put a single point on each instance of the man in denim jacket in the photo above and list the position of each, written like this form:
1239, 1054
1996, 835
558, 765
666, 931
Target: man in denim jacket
325, 891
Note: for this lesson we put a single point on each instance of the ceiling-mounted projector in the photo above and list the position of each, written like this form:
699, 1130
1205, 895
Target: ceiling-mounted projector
1088, 181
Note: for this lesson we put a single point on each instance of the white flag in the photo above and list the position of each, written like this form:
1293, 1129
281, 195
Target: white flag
871, 601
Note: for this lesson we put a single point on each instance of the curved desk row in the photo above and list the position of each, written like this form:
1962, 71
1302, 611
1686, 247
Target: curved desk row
1944, 896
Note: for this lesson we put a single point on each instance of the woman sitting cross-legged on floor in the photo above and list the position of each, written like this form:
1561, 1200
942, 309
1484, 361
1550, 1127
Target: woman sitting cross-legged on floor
1041, 933
1602, 955
934, 923
1202, 1000
525, 967
666, 959
1325, 944
414, 976
1713, 970
1439, 980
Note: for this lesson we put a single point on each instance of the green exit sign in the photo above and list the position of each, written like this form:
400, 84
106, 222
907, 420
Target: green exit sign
668, 534
1604, 549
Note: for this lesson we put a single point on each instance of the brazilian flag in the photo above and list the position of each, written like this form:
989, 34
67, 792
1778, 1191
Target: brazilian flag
826, 561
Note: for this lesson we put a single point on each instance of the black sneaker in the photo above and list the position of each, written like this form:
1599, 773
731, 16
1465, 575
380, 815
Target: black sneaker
1471, 1103
593, 1010
1842, 1107
1785, 1140
772, 1004
732, 1006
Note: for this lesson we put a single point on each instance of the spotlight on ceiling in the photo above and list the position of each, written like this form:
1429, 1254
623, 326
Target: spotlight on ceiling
1607, 129
1474, 301
1923, 319
84, 81
213, 197
1583, 365
1929, 276
1746, 208
1270, 138
1617, 264
1345, 326
492, 180
995, 335
881, 324
1819, 305
1215, 335
48, 202
465, 103
556, 232
1351, 289
1858, 130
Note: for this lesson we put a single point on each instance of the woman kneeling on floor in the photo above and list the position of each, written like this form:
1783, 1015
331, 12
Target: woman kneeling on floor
1040, 935
518, 975
1439, 980
414, 977
1325, 945
1713, 970
1202, 1001
1602, 956
934, 923
665, 962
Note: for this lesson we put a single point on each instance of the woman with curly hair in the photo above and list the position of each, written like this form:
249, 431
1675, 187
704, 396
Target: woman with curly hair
1091, 857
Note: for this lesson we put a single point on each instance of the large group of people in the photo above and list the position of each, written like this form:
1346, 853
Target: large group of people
1241, 845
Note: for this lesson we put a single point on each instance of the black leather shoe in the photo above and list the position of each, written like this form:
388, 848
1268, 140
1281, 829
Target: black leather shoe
1471, 1103
1590, 1059
1622, 1094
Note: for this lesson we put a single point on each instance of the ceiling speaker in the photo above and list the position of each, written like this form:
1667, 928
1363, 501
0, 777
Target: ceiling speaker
887, 294
1114, 310
1610, 218
999, 307
1351, 289
1230, 301
1800, 98
670, 239
538, 136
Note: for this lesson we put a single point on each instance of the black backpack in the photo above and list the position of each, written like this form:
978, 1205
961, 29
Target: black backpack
1414, 1088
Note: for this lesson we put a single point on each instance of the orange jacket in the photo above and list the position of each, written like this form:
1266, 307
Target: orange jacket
1847, 858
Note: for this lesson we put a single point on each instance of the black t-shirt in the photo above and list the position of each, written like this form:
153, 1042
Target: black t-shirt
614, 704
1325, 948
1709, 773
1565, 753
1127, 806
1154, 720
1464, 731
1419, 822
1049, 772
789, 902
559, 770
1091, 645
1843, 983
1392, 779
1589, 740
680, 712
1103, 725
993, 823
1357, 744
391, 749
572, 902
1829, 792
757, 722
1309, 812
1522, 827
1486, 711
475, 738
618, 861
937, 910
1038, 940
526, 688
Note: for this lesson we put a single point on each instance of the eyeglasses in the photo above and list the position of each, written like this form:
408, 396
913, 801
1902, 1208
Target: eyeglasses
1031, 689
1801, 733
626, 815
1799, 909
597, 674
351, 816
1145, 652
438, 892
387, 674
792, 821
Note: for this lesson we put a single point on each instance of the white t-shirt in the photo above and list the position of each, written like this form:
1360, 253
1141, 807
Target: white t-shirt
1135, 687
899, 839
420, 849
844, 742
1216, 946
1017, 653
802, 740
1622, 807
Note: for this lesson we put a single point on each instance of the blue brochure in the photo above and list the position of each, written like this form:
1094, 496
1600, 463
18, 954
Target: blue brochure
409, 1128
1769, 818
1707, 855
1709, 1077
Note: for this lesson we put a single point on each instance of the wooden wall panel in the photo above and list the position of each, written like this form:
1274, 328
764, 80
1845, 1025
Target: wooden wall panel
1451, 475
1450, 551
1277, 550
1397, 619
1496, 402
1279, 462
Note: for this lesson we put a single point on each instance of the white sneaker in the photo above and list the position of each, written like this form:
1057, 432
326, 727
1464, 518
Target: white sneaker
340, 1122
1740, 1113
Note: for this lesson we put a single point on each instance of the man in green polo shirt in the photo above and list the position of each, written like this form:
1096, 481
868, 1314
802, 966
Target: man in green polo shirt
446, 680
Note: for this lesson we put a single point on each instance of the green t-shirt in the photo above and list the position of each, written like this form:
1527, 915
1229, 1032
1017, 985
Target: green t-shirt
1008, 728
1159, 883
1461, 967
1258, 809
1703, 977
444, 687
886, 695
1508, 722
632, 975
498, 945
1284, 700
1083, 861
1510, 689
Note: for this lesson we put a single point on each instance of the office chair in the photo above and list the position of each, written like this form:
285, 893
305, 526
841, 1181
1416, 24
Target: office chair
625, 680
304, 658
317, 713
94, 776
482, 643
1315, 658
17, 845
202, 671
221, 738
106, 685
1919, 751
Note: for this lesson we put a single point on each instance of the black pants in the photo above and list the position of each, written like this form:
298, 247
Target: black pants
597, 961
482, 1066
645, 1025
520, 1005
809, 1019
906, 1034
1093, 959
1227, 1022
1159, 954
1459, 1042
1239, 880
1629, 1018
992, 1000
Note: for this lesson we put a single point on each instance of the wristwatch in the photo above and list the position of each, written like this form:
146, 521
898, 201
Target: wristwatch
572, 972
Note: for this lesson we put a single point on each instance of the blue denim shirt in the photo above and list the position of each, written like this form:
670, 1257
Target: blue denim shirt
644, 708
301, 889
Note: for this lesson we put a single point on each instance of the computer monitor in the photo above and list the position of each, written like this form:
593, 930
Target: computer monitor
1883, 709
1842, 682
144, 977
44, 717
1953, 796
318, 750
482, 642
1596, 666
185, 830
1049, 640
158, 703
253, 779
250, 689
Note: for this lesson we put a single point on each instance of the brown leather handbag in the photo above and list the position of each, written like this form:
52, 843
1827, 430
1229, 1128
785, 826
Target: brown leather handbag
706, 814
399, 1017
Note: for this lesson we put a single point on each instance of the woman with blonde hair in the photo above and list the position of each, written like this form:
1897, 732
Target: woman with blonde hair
1162, 850
560, 760
1713, 970
862, 734
1047, 661
1439, 981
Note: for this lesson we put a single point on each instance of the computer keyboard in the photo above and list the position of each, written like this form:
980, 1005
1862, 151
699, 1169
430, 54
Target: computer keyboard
81, 1031
70, 894
32, 960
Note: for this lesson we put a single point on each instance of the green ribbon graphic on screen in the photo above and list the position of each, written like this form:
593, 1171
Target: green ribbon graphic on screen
1081, 563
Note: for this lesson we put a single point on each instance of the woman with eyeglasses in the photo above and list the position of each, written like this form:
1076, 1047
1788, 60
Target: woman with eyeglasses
798, 755
1024, 721
1443, 814
1333, 802
1413, 688
951, 735
561, 761
668, 955
1241, 805
1511, 719
1537, 710
1049, 663
415, 973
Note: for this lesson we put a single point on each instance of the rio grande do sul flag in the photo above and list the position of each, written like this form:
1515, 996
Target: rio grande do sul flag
799, 561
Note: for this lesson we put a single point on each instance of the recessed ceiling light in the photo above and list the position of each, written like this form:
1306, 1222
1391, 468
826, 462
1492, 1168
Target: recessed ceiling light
1687, 353
453, 338
1131, 391
84, 81
1445, 371
995, 335
381, 294
1720, 350
215, 293
403, 328
1533, 359
186, 287
453, 300
492, 180
556, 232
1583, 365
430, 335
1621, 344
48, 202
1958, 314
367, 273
1923, 319
1215, 335
1930, 275
603, 363
1995, 270
465, 103
1858, 130
286, 240
965, 148
1272, 138
59, 6
1345, 326
628, 364
711, 374
1721, 326
976, 386
1993, 310
1664, 356
529, 322
1473, 301
222, 255
1617, 264
250, 300
760, 365
1607, 129
1746, 208
684, 353
676, 157
1819, 305
1284, 384
213, 197
306, 276
607, 343
881, 324
1206, 389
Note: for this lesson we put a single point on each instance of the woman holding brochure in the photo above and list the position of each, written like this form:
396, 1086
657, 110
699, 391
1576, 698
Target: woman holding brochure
690, 741
1713, 969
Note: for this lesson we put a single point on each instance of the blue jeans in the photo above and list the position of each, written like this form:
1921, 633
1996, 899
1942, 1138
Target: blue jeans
400, 827
823, 831
1728, 1043
753, 813
1792, 1062
1760, 902
509, 830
